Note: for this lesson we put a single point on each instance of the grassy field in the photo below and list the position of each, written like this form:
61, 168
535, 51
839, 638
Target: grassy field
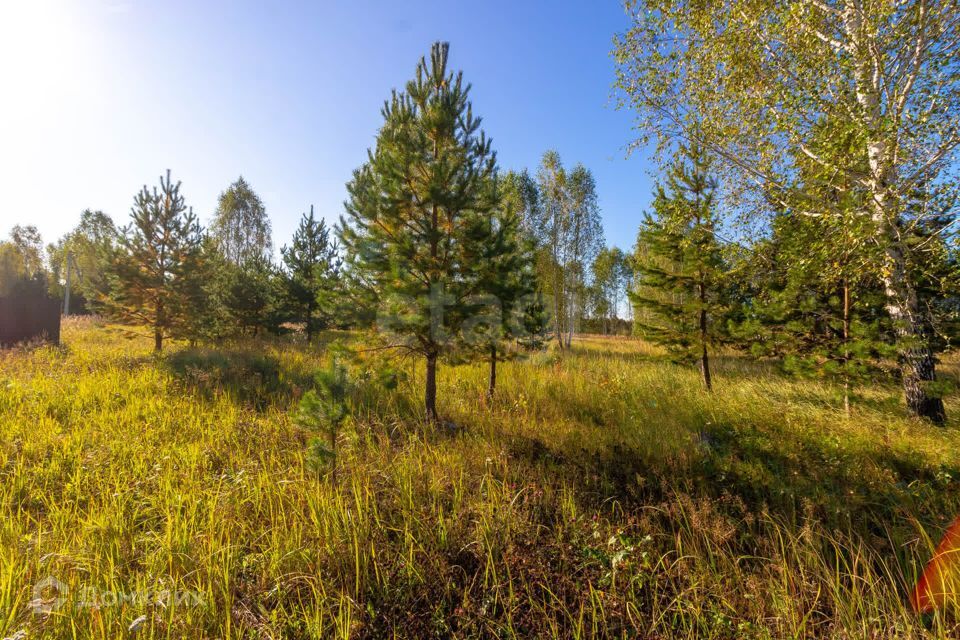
600, 494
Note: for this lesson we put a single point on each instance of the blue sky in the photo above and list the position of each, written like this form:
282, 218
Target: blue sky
101, 96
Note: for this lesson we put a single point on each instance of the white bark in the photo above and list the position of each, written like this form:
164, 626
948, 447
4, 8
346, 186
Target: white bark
882, 149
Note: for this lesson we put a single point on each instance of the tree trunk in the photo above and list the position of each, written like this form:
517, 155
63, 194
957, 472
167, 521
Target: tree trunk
846, 348
556, 314
702, 295
66, 291
917, 363
158, 329
309, 326
493, 371
920, 369
705, 368
332, 436
430, 393
704, 358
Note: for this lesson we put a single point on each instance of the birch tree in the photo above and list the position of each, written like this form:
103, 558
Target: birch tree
761, 76
584, 239
551, 228
570, 234
83, 256
29, 245
610, 273
240, 225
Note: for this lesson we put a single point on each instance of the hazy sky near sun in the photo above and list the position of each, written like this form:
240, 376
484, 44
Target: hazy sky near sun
98, 97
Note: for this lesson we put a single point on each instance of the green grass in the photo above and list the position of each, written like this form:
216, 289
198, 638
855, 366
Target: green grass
600, 494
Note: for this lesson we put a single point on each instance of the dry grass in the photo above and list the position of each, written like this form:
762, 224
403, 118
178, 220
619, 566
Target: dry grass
600, 494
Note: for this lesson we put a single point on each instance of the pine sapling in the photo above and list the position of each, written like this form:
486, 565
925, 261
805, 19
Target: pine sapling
323, 411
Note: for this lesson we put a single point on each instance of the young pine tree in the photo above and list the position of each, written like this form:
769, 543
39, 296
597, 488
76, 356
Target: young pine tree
155, 269
416, 211
817, 301
678, 296
203, 315
520, 196
322, 411
312, 271
253, 296
812, 303
508, 282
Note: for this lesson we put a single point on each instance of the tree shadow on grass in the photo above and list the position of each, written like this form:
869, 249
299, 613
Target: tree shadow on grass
253, 379
762, 486
791, 476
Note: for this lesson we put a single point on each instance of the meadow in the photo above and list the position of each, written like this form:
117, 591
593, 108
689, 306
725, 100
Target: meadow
600, 493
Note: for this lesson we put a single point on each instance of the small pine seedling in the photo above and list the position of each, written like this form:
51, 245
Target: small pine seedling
322, 411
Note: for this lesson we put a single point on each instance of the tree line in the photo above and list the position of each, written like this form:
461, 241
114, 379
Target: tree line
165, 272
833, 127
770, 241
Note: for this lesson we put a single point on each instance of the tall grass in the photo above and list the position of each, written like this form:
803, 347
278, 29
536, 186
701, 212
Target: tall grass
600, 493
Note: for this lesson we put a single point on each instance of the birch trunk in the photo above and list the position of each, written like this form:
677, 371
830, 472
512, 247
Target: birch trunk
557, 279
917, 362
846, 348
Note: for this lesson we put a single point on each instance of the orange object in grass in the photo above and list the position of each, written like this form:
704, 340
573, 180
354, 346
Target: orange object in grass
940, 582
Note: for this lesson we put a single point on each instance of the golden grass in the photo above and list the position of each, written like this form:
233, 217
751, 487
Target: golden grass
600, 494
